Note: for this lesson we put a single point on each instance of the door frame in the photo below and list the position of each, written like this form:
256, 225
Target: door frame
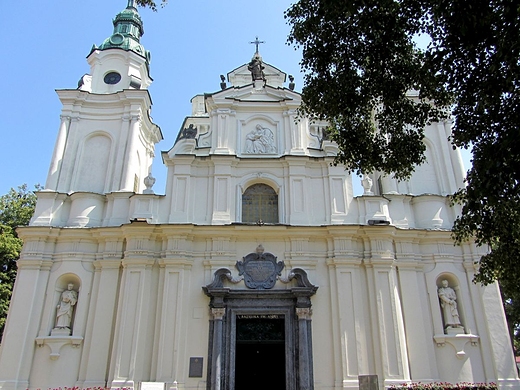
293, 303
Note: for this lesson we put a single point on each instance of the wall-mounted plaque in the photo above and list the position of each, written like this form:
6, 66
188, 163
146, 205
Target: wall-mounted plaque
368, 382
152, 385
195, 367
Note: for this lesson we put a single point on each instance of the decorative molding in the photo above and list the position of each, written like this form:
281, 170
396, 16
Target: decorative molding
458, 342
219, 276
56, 342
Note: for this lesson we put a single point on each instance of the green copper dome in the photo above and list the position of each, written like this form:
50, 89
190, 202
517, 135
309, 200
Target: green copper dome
128, 30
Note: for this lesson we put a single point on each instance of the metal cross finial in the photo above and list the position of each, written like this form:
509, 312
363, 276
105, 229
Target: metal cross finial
257, 42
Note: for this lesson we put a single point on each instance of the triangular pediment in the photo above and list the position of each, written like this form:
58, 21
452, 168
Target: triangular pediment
242, 76
257, 92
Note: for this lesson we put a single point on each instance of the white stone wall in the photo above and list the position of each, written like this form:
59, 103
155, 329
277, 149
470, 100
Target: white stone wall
138, 260
141, 311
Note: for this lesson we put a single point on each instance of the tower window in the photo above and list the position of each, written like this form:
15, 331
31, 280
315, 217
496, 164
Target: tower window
112, 78
260, 204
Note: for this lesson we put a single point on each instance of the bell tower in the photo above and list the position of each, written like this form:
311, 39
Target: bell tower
106, 139
121, 62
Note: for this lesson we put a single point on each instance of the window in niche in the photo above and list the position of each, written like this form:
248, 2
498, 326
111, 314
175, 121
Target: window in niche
260, 204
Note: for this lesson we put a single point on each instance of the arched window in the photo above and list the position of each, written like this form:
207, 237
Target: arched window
260, 203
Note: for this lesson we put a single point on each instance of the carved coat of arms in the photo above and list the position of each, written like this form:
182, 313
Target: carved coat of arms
260, 269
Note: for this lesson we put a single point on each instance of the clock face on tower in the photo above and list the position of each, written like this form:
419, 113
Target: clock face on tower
117, 39
112, 78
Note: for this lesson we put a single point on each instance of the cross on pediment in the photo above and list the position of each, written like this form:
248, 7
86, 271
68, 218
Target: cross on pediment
256, 42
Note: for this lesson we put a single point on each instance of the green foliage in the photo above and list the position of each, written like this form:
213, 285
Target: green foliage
10, 247
511, 299
360, 60
150, 4
16, 209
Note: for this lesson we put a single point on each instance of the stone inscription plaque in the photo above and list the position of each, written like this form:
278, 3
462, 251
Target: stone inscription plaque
196, 367
152, 385
259, 316
260, 270
368, 382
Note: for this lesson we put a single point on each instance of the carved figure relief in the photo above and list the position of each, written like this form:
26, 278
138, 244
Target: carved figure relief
448, 301
260, 141
65, 307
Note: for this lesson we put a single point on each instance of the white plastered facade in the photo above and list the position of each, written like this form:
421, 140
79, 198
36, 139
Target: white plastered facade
139, 260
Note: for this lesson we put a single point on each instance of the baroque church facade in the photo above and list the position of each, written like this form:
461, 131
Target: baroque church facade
258, 267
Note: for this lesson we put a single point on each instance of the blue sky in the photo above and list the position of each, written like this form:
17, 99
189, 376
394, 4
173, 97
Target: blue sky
45, 44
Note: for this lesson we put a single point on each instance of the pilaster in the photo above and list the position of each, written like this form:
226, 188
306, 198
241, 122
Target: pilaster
217, 358
99, 330
131, 167
293, 145
134, 323
170, 335
68, 164
416, 313
306, 381
350, 325
223, 201
57, 156
386, 310
181, 200
21, 329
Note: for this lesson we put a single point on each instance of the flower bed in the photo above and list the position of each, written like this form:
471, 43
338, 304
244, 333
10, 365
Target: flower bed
445, 386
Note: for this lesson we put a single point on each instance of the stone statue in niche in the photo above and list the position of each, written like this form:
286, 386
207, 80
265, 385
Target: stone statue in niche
448, 300
65, 307
260, 141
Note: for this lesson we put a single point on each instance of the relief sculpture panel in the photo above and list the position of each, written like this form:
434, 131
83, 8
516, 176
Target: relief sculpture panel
260, 141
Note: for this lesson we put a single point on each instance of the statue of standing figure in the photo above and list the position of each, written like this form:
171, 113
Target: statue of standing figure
448, 299
68, 300
256, 68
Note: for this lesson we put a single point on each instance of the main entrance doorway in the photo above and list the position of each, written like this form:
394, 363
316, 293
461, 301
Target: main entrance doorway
260, 338
260, 353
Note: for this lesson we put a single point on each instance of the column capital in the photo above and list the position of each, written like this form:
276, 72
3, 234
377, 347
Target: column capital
218, 312
108, 262
304, 313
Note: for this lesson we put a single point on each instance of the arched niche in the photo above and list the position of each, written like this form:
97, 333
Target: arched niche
448, 290
426, 178
62, 285
93, 161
